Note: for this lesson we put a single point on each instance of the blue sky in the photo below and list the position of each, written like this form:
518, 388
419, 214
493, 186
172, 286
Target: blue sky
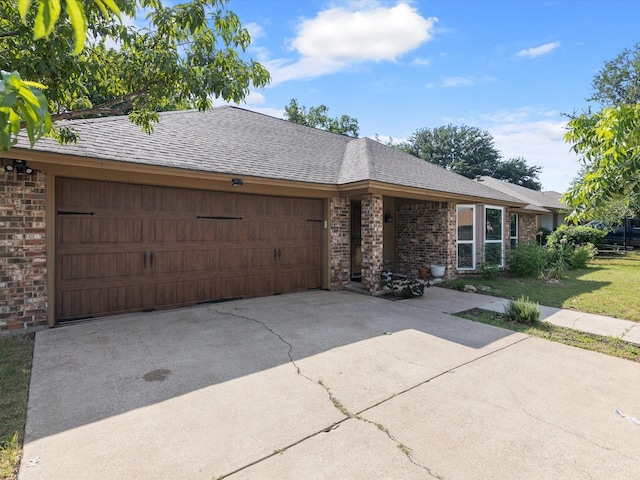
511, 67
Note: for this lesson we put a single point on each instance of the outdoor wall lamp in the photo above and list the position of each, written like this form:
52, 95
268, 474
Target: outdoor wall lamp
388, 218
236, 182
20, 166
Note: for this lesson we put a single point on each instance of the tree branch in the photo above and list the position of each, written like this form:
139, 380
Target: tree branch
15, 33
105, 108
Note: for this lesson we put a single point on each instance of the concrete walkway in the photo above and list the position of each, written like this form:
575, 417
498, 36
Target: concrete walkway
585, 322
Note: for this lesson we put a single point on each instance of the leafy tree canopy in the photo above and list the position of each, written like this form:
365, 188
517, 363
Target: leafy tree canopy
65, 59
618, 83
516, 171
317, 117
608, 141
470, 152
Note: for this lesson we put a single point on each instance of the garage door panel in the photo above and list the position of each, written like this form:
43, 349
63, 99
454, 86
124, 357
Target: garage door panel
98, 266
87, 193
130, 247
81, 229
100, 301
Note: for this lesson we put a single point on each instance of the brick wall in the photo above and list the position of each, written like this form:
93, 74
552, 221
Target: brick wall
425, 235
340, 240
527, 228
23, 266
372, 241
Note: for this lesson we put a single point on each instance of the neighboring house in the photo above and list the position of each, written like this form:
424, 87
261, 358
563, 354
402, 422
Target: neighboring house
549, 204
226, 204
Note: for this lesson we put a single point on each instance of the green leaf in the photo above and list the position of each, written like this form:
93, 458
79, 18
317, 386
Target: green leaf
79, 23
48, 14
23, 8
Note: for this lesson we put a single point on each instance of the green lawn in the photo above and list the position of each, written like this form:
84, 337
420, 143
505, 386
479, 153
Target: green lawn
608, 286
16, 353
607, 345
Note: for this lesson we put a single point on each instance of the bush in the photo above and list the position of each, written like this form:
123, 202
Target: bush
582, 254
576, 236
528, 259
541, 235
522, 310
489, 271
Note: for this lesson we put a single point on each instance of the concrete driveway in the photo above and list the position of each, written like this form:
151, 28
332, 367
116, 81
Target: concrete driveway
325, 385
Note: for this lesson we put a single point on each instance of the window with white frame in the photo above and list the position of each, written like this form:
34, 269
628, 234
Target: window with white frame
465, 220
514, 229
494, 236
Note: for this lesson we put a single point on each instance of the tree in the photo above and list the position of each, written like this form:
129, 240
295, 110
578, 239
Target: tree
618, 83
317, 117
608, 141
516, 171
470, 152
464, 150
89, 64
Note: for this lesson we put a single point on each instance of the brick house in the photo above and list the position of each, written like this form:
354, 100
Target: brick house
548, 204
227, 204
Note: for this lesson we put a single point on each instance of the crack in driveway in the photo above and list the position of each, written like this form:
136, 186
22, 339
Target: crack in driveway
338, 404
334, 400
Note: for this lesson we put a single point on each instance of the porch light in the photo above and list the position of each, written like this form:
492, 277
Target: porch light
236, 182
388, 218
20, 166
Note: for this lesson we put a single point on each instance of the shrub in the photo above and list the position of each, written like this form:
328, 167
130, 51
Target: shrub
522, 310
489, 271
582, 254
541, 235
576, 236
528, 259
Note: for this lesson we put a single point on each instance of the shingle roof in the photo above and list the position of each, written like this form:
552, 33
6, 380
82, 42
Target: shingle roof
235, 141
546, 200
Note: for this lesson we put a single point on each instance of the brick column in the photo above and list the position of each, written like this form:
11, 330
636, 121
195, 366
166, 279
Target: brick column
340, 241
372, 241
452, 239
23, 265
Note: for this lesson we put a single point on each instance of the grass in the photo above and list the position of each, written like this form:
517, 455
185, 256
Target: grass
607, 345
607, 286
16, 352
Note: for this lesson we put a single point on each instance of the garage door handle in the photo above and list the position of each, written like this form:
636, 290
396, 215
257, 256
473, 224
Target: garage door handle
144, 259
151, 260
275, 254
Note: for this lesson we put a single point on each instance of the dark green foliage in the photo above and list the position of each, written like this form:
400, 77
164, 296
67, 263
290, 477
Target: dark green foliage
317, 117
489, 271
516, 171
528, 259
541, 235
575, 236
470, 152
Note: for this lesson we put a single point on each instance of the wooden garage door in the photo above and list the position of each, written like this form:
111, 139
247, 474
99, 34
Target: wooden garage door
125, 248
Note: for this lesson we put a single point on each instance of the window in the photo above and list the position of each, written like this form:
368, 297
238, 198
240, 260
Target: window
514, 230
465, 215
493, 237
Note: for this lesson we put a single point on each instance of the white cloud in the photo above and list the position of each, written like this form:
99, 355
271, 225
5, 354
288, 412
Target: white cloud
538, 138
255, 30
342, 36
421, 62
455, 82
458, 82
537, 51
